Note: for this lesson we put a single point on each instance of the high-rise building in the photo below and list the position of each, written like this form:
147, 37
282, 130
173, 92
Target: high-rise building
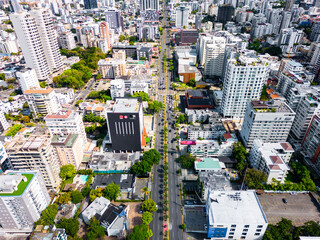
4, 160
104, 33
214, 56
125, 124
269, 121
27, 78
66, 122
90, 4
289, 39
4, 125
67, 149
198, 20
23, 196
225, 13
42, 101
66, 40
286, 18
149, 4
33, 151
182, 16
113, 18
112, 68
38, 41
243, 80
311, 142
289, 5
271, 158
315, 32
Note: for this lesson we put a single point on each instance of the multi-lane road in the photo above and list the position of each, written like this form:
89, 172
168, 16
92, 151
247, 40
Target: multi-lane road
175, 218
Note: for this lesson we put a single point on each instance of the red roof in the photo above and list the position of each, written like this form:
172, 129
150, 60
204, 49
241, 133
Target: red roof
274, 167
59, 115
276, 159
227, 136
286, 146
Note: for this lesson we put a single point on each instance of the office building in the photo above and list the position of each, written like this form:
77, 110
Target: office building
271, 158
4, 125
186, 37
125, 124
315, 32
149, 4
33, 151
90, 4
214, 56
311, 142
182, 16
23, 196
235, 215
113, 18
42, 101
225, 13
66, 40
27, 79
38, 41
243, 80
269, 121
67, 149
66, 122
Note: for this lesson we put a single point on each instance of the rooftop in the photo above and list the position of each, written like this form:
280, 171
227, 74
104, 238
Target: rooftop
211, 164
275, 105
126, 105
125, 181
39, 90
15, 184
236, 207
64, 140
60, 115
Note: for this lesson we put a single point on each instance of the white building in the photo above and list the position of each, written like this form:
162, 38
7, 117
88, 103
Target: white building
4, 161
38, 41
235, 215
66, 122
23, 197
214, 56
271, 158
182, 16
269, 121
9, 44
66, 40
117, 88
200, 115
4, 125
149, 4
42, 101
243, 79
27, 78
112, 68
33, 151
315, 32
289, 40
205, 131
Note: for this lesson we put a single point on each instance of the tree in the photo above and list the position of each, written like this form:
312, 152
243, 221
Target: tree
48, 215
95, 230
76, 196
152, 156
112, 191
64, 198
14, 129
145, 192
155, 106
139, 232
78, 102
10, 99
187, 160
239, 152
99, 76
2, 76
143, 95
43, 84
67, 171
25, 119
192, 82
171, 68
264, 95
181, 118
121, 38
141, 168
255, 178
85, 191
70, 225
147, 217
149, 205
183, 226
95, 193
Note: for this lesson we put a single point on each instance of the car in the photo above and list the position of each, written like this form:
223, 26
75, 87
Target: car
284, 200
157, 206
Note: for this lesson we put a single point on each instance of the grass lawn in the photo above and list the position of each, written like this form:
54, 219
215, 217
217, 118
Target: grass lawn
21, 187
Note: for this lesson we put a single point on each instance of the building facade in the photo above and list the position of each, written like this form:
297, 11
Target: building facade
27, 78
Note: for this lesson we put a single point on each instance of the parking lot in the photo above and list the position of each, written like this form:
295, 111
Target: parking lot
195, 219
299, 208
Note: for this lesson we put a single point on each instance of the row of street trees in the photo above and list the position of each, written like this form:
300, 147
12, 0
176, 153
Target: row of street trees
141, 168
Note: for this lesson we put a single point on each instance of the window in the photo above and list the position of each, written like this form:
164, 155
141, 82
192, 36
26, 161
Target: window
233, 225
257, 234
232, 229
260, 226
243, 237
231, 233
230, 237
246, 226
258, 230
245, 230
244, 233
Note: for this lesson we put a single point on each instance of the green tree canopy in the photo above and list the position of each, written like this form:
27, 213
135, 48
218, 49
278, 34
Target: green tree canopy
64, 198
67, 171
112, 191
155, 106
76, 196
187, 160
143, 95
70, 225
147, 217
152, 156
95, 230
95, 193
139, 232
14, 129
255, 178
48, 215
149, 205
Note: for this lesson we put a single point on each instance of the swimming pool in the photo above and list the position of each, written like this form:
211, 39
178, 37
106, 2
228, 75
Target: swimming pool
84, 178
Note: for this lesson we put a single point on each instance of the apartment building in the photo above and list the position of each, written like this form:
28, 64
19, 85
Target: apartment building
271, 158
4, 125
269, 121
244, 76
235, 215
66, 122
27, 79
112, 68
67, 149
42, 101
32, 150
205, 131
214, 56
23, 196
66, 40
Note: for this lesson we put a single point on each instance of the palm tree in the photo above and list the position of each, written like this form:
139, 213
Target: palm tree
145, 191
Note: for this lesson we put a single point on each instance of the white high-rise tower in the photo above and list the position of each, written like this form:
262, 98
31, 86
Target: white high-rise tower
38, 42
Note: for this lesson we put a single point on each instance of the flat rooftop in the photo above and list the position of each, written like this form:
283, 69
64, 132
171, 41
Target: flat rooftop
126, 105
207, 163
64, 140
237, 207
19, 186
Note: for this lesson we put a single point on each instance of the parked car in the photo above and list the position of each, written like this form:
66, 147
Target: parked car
284, 200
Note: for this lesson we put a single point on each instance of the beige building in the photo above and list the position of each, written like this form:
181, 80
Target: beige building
112, 68
32, 150
67, 148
